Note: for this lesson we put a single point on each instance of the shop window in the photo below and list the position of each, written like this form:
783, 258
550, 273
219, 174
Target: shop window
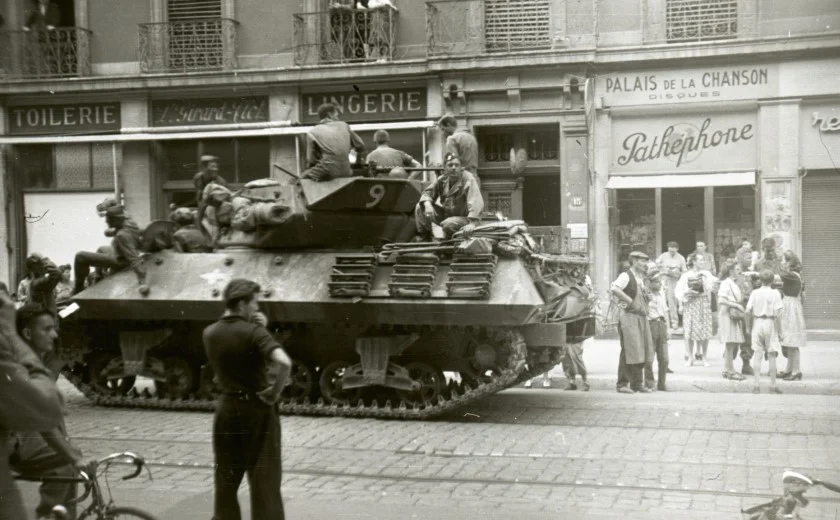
636, 229
700, 20
67, 167
240, 160
541, 142
541, 200
734, 220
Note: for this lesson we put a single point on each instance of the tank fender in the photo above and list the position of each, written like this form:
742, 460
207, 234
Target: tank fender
544, 334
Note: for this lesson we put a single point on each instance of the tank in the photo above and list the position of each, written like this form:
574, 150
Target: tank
376, 325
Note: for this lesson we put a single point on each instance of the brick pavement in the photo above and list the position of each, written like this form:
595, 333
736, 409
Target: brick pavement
523, 452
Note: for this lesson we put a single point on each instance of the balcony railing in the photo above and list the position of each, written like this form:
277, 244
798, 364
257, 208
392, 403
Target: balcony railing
63, 52
473, 27
190, 45
701, 20
345, 35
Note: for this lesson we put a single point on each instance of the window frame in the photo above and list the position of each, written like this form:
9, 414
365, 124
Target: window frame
55, 188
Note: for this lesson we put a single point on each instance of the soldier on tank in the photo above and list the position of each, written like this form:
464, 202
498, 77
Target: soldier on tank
45, 277
209, 173
126, 251
187, 237
386, 157
328, 146
460, 143
453, 201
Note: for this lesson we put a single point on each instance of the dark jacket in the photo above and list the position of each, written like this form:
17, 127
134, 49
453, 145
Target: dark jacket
328, 146
42, 289
126, 244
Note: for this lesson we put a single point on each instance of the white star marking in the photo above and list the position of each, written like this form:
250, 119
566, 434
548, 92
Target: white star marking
215, 277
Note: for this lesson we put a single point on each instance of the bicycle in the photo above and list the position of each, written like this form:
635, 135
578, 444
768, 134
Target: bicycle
99, 509
787, 506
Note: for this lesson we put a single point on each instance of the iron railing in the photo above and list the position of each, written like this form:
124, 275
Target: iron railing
190, 45
473, 27
701, 20
345, 35
63, 52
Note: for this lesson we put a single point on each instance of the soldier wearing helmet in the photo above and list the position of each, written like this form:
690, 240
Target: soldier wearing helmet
45, 277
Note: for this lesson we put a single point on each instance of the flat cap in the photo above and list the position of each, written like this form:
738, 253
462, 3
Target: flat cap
240, 288
639, 254
208, 158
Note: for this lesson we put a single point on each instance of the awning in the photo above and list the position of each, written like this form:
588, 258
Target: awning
146, 134
681, 180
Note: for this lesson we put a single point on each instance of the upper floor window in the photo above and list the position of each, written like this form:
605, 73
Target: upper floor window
700, 20
516, 25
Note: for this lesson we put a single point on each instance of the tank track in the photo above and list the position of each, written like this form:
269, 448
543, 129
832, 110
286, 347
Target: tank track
455, 396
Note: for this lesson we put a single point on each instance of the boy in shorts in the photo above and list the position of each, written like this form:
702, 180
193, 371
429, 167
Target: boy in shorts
764, 310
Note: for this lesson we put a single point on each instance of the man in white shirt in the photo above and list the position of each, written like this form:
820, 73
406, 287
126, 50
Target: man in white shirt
672, 265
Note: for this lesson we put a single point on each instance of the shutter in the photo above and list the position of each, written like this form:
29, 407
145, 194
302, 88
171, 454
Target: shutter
820, 249
181, 10
515, 25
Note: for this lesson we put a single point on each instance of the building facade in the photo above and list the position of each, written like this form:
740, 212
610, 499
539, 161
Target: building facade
588, 114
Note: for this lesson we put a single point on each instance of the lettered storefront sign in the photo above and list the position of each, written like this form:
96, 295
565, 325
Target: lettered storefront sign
218, 111
819, 135
693, 143
368, 105
83, 118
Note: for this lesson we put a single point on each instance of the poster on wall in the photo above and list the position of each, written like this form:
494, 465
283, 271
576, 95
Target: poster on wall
777, 211
684, 142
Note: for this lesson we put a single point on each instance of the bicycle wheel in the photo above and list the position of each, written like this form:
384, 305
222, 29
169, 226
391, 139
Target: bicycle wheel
121, 513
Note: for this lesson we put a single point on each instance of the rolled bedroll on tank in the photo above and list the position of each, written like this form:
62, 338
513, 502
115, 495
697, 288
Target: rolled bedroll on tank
378, 326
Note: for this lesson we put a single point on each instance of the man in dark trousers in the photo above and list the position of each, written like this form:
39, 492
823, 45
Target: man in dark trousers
251, 370
328, 146
126, 247
631, 291
45, 278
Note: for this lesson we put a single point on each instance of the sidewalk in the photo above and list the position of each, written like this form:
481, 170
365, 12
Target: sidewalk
820, 369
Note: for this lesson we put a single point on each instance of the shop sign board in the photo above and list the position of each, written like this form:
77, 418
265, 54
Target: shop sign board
688, 85
217, 111
80, 118
368, 105
820, 135
684, 143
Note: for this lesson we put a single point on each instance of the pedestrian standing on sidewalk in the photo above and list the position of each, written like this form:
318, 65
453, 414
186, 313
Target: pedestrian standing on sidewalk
765, 311
793, 318
659, 331
251, 370
694, 292
576, 333
731, 317
672, 265
631, 291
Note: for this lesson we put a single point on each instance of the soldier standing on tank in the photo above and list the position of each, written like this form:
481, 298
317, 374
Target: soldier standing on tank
187, 237
251, 370
328, 146
126, 251
461, 143
459, 198
386, 157
45, 278
208, 173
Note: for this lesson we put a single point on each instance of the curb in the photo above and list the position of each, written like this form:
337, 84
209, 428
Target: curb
724, 386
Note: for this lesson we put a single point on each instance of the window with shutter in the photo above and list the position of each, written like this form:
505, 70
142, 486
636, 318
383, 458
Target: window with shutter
195, 33
517, 25
699, 20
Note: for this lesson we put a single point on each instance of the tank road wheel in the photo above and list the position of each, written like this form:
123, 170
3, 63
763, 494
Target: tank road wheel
180, 379
99, 379
302, 382
330, 384
432, 382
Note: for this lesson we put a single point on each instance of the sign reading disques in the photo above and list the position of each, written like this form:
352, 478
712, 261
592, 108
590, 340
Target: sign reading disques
687, 85
671, 144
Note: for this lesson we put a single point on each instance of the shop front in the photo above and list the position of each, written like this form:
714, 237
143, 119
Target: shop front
820, 208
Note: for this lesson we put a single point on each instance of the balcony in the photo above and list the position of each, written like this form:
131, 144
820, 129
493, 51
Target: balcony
345, 35
63, 52
476, 27
187, 46
701, 20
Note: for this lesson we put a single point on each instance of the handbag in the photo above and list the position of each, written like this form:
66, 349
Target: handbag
736, 314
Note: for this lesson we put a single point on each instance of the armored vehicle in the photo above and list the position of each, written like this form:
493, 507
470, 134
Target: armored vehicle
377, 325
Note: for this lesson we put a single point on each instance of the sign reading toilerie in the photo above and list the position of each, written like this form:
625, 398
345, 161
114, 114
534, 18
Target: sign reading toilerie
87, 118
687, 85
368, 105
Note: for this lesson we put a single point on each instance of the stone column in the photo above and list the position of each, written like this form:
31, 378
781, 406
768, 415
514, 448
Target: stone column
283, 106
600, 247
135, 178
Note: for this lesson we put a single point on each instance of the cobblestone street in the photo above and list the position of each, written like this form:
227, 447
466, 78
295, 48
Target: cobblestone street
529, 453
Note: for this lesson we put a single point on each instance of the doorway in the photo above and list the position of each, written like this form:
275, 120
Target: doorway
682, 218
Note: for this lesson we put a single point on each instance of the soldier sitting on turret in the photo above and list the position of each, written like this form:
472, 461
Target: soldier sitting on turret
126, 251
328, 146
386, 157
187, 237
453, 201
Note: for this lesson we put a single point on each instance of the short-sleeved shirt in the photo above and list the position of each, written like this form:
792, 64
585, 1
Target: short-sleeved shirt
388, 157
673, 266
463, 144
658, 305
458, 198
765, 302
623, 280
239, 352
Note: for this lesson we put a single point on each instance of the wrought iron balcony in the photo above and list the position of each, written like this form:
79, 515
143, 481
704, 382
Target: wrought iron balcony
63, 52
190, 45
701, 20
474, 27
345, 35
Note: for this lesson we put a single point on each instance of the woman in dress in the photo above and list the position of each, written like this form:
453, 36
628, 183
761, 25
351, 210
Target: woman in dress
793, 319
693, 291
730, 330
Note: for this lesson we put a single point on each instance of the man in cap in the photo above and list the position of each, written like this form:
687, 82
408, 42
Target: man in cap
126, 251
328, 146
251, 370
460, 142
659, 329
631, 291
208, 173
453, 201
386, 157
187, 237
45, 278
